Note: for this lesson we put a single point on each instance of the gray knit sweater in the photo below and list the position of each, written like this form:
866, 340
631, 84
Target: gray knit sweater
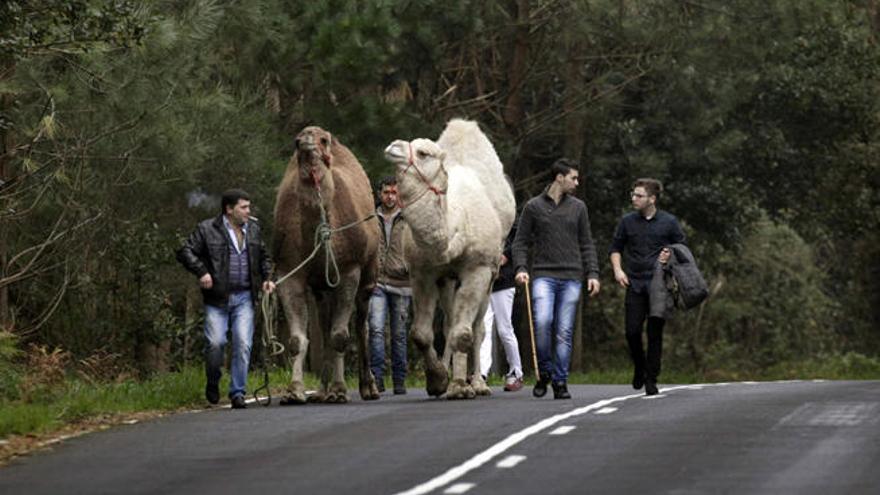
559, 238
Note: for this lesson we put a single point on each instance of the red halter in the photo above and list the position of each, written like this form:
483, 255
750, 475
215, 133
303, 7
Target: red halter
412, 163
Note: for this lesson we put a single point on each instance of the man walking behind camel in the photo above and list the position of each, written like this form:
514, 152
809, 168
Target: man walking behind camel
557, 225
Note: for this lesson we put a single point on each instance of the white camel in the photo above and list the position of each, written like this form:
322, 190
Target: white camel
459, 208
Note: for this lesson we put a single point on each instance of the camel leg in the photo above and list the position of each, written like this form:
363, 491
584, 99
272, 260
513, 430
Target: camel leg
425, 295
342, 304
366, 381
447, 300
477, 382
469, 297
293, 299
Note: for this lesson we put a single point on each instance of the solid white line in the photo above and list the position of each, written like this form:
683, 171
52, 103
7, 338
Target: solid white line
459, 488
562, 430
606, 410
499, 448
510, 461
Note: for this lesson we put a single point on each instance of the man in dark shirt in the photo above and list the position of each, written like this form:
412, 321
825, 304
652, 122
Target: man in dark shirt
642, 237
555, 225
228, 256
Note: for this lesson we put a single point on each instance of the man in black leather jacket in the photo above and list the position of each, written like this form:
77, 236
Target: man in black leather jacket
228, 256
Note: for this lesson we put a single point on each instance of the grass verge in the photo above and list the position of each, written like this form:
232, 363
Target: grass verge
80, 402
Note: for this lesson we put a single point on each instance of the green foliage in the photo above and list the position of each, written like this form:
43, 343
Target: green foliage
761, 118
768, 307
10, 367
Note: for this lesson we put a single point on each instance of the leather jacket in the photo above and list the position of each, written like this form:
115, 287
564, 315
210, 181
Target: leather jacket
207, 251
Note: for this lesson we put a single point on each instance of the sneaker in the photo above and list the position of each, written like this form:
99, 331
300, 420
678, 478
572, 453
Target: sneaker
238, 402
212, 393
651, 388
638, 379
399, 389
560, 390
540, 389
380, 385
513, 384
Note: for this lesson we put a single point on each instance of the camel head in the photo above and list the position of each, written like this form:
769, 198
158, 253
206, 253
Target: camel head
314, 153
419, 165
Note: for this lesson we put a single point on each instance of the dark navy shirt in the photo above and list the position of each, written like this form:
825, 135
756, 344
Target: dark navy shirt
640, 241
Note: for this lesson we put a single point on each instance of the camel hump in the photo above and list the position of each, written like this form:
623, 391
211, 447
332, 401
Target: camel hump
465, 144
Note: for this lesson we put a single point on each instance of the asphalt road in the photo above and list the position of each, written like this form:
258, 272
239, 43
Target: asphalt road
774, 437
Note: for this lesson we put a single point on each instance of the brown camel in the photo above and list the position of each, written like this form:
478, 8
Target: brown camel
324, 172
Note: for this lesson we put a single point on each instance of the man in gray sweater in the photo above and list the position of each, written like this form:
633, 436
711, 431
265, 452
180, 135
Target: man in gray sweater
555, 244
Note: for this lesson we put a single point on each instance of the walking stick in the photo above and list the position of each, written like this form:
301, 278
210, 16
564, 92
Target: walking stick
532, 332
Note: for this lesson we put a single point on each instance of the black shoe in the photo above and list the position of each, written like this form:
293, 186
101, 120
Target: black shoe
380, 385
560, 391
638, 379
651, 388
399, 389
212, 393
540, 389
238, 402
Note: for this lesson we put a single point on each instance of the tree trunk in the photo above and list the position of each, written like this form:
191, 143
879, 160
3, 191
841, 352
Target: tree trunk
5, 171
513, 112
574, 112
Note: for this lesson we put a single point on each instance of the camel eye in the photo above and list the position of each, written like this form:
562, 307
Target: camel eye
421, 154
324, 141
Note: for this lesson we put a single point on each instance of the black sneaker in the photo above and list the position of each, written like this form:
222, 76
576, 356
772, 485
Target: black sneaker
238, 402
380, 385
212, 393
399, 389
638, 379
651, 388
540, 389
560, 391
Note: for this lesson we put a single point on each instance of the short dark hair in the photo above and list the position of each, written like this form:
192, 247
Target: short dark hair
652, 186
388, 180
563, 166
231, 197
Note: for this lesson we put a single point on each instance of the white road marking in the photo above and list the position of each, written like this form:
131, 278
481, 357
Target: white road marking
459, 488
562, 430
477, 461
658, 396
510, 461
606, 410
499, 448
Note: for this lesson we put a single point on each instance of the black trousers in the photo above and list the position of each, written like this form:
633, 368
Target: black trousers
637, 308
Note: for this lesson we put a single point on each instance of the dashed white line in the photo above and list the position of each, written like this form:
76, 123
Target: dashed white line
653, 397
510, 461
499, 448
459, 488
562, 430
606, 410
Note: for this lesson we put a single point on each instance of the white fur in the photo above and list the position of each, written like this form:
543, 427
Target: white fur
459, 234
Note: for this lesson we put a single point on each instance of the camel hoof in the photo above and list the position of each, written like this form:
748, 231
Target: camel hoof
293, 400
437, 383
480, 387
336, 394
296, 394
460, 390
369, 391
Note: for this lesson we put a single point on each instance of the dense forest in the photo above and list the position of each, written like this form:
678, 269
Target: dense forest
121, 121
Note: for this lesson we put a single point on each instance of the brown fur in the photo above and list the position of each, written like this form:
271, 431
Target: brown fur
347, 198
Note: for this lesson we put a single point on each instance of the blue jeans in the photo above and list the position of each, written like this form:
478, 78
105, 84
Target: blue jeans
554, 302
238, 316
380, 303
